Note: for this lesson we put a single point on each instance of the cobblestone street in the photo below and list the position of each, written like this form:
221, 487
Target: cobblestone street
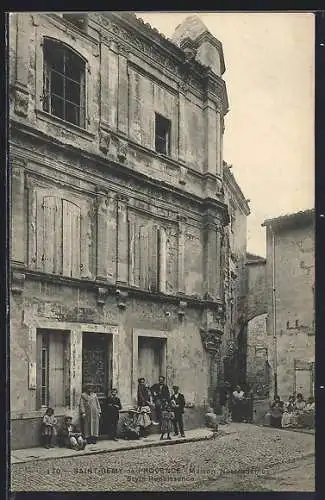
252, 458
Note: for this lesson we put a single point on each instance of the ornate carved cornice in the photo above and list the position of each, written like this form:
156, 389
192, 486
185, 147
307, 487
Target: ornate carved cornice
133, 34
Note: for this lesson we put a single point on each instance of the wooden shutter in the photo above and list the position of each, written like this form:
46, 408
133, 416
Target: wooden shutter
132, 250
56, 370
144, 264
71, 239
50, 235
153, 258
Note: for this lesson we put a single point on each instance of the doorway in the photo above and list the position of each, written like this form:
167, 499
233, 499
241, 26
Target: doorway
97, 368
151, 358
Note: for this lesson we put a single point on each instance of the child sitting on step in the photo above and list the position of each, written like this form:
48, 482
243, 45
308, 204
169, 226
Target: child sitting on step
70, 435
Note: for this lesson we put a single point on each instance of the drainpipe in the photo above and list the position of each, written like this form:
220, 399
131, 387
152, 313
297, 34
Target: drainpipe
275, 343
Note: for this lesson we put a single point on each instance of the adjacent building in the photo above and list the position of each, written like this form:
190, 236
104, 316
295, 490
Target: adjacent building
234, 347
119, 213
290, 279
257, 364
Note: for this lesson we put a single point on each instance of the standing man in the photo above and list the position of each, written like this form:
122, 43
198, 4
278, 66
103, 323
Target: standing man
90, 412
143, 395
160, 393
114, 406
178, 405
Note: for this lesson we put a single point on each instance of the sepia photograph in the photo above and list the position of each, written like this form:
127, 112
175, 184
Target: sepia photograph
162, 251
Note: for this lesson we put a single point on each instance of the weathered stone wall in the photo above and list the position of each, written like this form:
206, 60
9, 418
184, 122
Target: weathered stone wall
257, 368
294, 289
93, 207
257, 298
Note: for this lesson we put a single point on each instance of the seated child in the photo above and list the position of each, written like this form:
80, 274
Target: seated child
48, 429
167, 417
70, 437
211, 419
307, 418
144, 420
130, 429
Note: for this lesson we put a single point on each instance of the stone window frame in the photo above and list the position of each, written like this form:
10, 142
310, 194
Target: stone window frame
48, 75
75, 331
57, 34
136, 333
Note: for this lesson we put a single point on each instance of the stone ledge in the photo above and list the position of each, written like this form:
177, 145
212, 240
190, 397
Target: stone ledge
35, 454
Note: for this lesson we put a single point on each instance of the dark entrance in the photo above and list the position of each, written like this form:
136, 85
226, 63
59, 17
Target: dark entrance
97, 368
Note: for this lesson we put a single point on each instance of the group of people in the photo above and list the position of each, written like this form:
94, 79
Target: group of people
68, 434
296, 412
155, 406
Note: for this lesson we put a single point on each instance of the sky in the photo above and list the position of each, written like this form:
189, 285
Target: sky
269, 134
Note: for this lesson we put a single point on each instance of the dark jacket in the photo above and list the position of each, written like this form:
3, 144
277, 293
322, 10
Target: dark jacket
162, 392
67, 431
114, 405
180, 401
143, 395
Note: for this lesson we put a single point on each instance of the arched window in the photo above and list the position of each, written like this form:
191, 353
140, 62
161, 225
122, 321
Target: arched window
64, 83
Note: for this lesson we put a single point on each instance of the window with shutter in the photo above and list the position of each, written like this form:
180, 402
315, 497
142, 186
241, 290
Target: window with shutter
144, 255
61, 229
52, 368
71, 239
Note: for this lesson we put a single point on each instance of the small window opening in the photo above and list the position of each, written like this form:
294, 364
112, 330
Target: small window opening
162, 135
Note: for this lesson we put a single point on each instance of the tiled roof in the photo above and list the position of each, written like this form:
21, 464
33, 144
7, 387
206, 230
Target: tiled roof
251, 258
288, 219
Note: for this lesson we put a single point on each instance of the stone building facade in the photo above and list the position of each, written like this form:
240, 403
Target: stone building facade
118, 211
234, 347
257, 365
290, 268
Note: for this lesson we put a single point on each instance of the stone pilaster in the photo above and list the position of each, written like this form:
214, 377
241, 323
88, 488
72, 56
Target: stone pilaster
123, 94
106, 237
181, 254
211, 145
122, 241
108, 93
218, 142
219, 270
211, 335
22, 64
18, 211
210, 253
181, 127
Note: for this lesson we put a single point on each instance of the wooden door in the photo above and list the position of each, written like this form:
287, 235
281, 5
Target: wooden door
150, 358
95, 362
304, 382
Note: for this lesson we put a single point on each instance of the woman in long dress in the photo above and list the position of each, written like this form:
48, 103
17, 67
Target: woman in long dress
90, 412
288, 417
